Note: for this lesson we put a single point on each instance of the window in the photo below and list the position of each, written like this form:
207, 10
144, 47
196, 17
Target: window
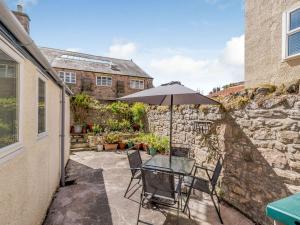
137, 84
291, 32
104, 81
9, 101
41, 106
68, 77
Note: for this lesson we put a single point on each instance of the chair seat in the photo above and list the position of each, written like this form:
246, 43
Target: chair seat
163, 199
200, 184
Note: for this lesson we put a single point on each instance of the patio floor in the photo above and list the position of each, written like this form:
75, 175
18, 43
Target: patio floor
96, 197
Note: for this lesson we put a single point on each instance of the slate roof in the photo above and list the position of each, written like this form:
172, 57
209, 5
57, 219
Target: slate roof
80, 61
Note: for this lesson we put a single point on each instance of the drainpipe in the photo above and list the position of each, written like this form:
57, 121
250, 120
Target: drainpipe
62, 138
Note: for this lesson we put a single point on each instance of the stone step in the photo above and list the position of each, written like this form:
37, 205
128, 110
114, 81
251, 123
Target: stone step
79, 145
82, 149
81, 140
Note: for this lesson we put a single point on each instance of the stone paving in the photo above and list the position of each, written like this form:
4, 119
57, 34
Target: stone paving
96, 197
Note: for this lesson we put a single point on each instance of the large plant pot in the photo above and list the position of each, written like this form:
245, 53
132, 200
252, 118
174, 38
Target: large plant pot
152, 151
122, 145
77, 129
145, 147
109, 147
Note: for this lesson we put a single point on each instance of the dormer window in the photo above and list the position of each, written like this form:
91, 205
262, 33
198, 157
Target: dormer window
291, 33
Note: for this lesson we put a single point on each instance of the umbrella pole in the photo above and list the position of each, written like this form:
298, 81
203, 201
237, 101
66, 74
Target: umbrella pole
171, 128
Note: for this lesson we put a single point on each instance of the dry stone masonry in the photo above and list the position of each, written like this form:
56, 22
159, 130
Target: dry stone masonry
260, 142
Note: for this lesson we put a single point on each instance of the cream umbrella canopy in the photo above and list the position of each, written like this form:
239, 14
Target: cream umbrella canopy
173, 93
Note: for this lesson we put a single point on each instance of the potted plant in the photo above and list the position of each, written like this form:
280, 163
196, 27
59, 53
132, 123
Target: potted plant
122, 144
130, 143
111, 141
80, 105
94, 138
84, 129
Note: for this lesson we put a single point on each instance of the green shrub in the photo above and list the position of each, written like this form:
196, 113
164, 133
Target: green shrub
119, 109
115, 125
112, 124
124, 125
97, 129
80, 105
112, 138
138, 111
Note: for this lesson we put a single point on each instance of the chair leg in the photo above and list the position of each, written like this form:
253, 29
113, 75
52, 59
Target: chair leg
138, 219
218, 210
128, 187
178, 206
187, 199
219, 200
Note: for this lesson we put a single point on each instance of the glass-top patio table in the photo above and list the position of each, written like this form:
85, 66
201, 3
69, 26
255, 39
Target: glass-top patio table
179, 165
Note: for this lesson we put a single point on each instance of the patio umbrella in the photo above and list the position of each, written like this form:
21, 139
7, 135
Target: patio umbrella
173, 93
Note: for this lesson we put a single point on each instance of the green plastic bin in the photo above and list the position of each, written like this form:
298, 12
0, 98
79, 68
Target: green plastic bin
286, 210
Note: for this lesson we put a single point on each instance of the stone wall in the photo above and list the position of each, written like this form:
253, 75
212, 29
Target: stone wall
261, 146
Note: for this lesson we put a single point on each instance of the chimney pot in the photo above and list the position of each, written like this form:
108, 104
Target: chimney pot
20, 7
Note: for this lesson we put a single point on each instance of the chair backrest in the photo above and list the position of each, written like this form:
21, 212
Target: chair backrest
158, 183
216, 174
180, 152
135, 161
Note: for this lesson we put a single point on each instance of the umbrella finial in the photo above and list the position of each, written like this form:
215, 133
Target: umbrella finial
171, 83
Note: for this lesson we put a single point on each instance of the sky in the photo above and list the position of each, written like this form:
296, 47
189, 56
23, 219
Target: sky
197, 42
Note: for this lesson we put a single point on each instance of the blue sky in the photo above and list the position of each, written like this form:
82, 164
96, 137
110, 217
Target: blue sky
199, 42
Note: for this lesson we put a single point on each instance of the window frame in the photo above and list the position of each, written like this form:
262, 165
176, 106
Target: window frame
70, 76
137, 80
286, 33
11, 151
101, 77
43, 134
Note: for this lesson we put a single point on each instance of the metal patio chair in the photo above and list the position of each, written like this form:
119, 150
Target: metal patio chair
205, 185
181, 152
135, 164
160, 188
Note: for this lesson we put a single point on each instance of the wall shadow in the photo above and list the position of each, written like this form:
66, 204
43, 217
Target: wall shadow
249, 182
84, 202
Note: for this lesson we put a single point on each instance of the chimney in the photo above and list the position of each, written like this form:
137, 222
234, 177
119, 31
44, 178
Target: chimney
22, 17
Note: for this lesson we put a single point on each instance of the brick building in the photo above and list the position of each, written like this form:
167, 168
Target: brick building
104, 78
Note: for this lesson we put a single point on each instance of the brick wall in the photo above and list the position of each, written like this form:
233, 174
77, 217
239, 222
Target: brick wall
86, 81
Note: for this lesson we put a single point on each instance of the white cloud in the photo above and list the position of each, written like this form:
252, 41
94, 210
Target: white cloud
185, 65
234, 51
123, 50
202, 74
74, 49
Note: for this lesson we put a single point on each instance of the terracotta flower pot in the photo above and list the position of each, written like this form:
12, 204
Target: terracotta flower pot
122, 145
145, 147
108, 147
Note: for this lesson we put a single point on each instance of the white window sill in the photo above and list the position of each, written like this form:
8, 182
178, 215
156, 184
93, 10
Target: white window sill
42, 135
10, 152
99, 85
291, 57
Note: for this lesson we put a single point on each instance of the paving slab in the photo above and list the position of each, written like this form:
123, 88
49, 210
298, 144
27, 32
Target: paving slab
97, 197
